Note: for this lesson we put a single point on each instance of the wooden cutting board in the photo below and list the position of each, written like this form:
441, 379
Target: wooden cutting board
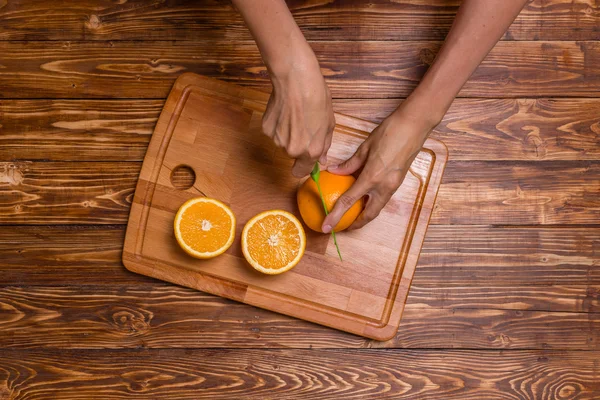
214, 128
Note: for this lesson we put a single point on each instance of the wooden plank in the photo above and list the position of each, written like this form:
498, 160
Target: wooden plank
465, 263
64, 255
65, 192
454, 255
162, 316
524, 296
86, 130
460, 266
352, 69
484, 328
519, 193
289, 374
505, 129
319, 20
472, 193
473, 129
149, 317
72, 256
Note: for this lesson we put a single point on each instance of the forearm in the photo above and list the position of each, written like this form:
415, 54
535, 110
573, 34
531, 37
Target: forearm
280, 41
477, 28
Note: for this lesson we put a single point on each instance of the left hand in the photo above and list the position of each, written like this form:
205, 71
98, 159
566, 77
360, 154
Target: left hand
385, 157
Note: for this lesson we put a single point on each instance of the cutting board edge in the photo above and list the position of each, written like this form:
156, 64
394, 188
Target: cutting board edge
367, 328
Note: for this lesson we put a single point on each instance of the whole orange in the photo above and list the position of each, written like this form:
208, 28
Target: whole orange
332, 186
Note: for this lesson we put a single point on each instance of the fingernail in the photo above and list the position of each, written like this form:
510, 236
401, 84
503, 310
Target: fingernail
333, 167
327, 229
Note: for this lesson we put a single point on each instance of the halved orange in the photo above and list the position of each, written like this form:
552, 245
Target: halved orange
204, 227
273, 242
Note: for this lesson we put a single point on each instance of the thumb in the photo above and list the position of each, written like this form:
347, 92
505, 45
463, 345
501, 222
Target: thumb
352, 164
343, 204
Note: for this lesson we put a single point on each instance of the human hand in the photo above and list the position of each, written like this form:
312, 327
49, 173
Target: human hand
385, 157
299, 115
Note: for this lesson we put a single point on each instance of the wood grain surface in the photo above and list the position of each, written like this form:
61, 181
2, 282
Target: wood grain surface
161, 316
506, 129
80, 130
286, 374
64, 193
478, 192
457, 256
510, 269
41, 69
473, 129
319, 20
213, 128
519, 193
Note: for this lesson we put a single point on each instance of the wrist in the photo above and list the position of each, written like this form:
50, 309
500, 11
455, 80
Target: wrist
419, 111
427, 105
293, 58
282, 46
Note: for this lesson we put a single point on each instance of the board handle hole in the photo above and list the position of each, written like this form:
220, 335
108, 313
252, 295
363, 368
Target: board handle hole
183, 177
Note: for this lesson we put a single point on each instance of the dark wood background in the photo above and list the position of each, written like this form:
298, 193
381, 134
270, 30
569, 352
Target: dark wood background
505, 302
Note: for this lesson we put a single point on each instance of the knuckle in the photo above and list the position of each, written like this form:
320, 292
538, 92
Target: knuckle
374, 177
277, 140
346, 201
390, 185
267, 127
314, 153
268, 132
372, 214
394, 181
391, 189
377, 179
294, 152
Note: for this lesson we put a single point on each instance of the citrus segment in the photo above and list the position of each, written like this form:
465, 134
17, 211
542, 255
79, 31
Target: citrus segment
332, 187
273, 241
204, 227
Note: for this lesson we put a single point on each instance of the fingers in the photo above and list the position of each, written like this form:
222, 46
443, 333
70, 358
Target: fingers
374, 206
306, 156
352, 164
269, 118
301, 125
327, 145
327, 141
303, 166
381, 191
346, 200
316, 150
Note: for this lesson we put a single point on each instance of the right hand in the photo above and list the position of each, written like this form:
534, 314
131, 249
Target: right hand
299, 115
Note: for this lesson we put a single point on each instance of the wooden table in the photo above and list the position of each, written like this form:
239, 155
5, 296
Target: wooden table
505, 300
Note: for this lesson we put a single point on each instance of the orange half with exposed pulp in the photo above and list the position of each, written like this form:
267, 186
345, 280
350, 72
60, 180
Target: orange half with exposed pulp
273, 242
204, 227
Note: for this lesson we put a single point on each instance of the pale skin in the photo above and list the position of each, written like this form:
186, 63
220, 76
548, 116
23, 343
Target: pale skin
299, 116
